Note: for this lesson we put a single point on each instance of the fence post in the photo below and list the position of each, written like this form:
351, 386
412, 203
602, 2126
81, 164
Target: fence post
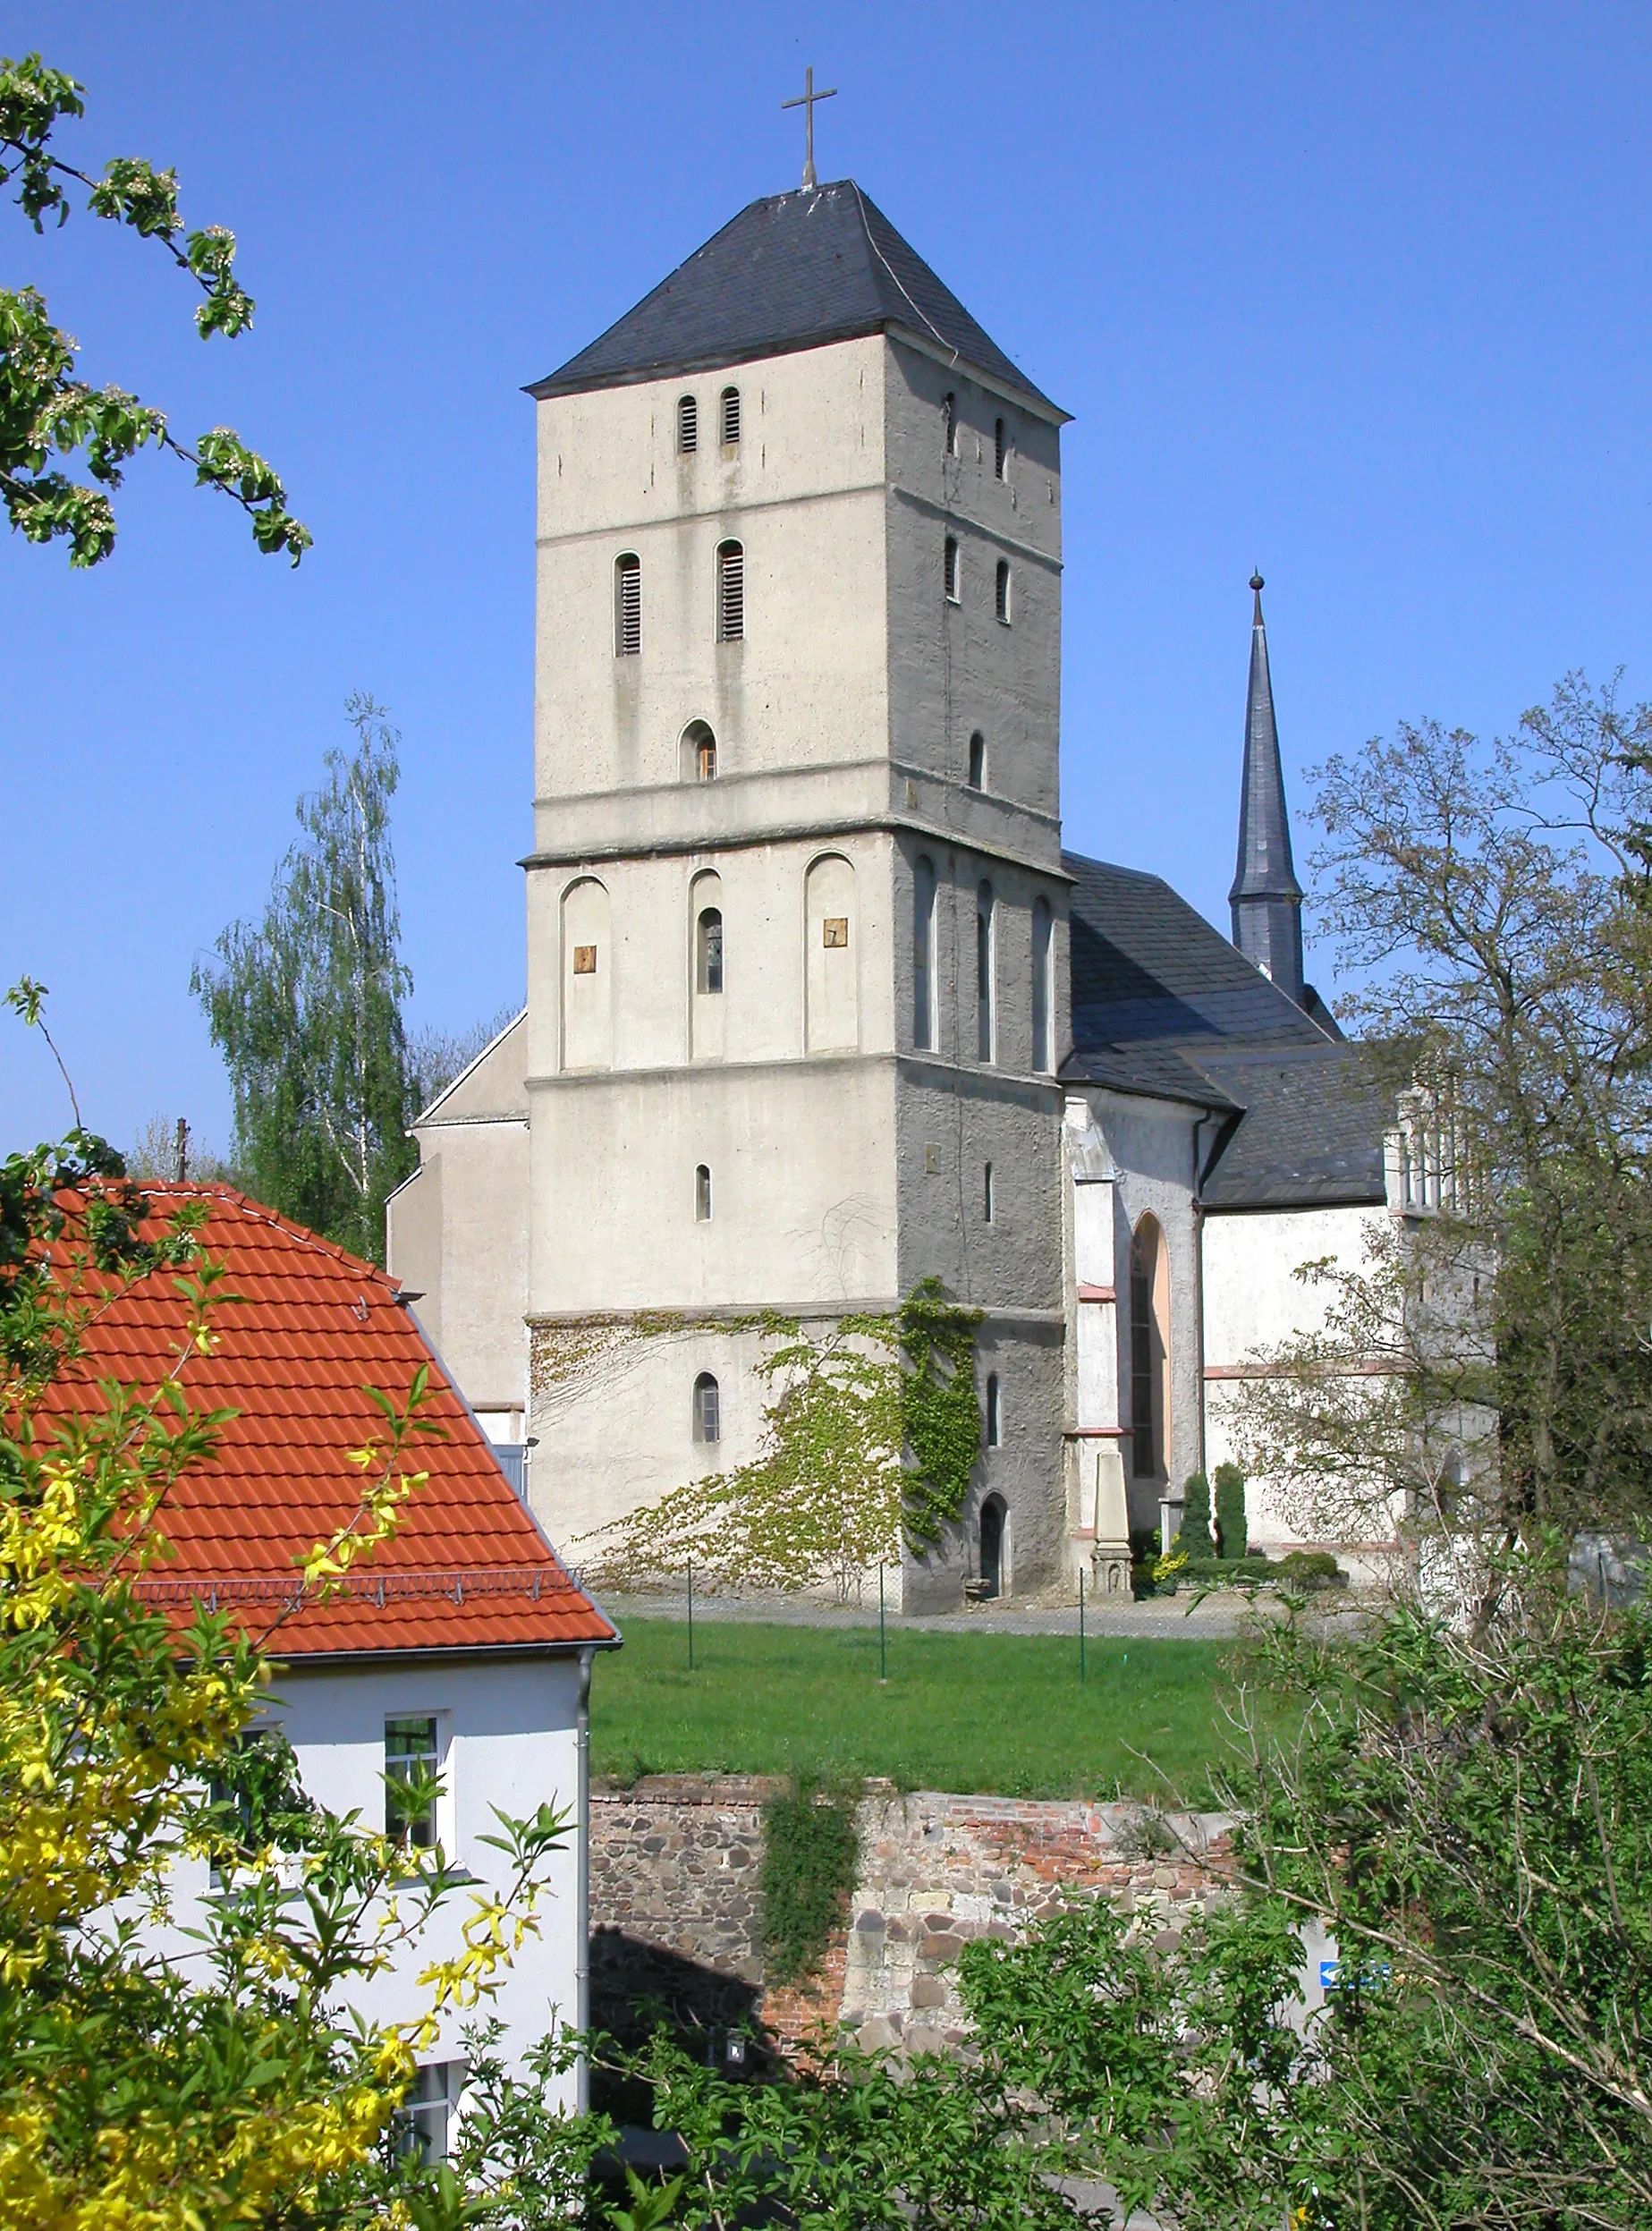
1081, 1623
691, 1615
882, 1662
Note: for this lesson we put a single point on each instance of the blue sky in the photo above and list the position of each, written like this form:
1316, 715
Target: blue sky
1358, 294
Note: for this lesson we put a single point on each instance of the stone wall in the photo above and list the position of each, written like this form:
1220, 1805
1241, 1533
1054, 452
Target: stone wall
676, 1912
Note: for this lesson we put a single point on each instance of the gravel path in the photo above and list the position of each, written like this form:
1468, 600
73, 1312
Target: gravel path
1168, 1619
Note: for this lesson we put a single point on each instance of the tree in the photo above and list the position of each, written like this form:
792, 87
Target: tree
46, 412
232, 2090
1488, 1374
306, 1009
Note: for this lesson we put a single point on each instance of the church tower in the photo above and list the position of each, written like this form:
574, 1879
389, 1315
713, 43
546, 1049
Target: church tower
796, 913
1266, 899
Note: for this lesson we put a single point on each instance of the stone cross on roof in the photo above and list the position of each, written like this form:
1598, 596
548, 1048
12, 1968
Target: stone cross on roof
806, 101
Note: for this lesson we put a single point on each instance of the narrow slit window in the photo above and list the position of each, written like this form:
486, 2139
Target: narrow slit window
707, 1409
688, 425
978, 761
995, 1415
702, 1194
987, 1191
997, 449
411, 1760
730, 410
949, 426
708, 958
923, 954
731, 593
984, 972
949, 568
1001, 596
627, 606
1043, 928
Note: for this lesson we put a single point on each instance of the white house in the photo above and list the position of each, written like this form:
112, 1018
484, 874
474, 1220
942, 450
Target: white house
461, 1643
817, 1007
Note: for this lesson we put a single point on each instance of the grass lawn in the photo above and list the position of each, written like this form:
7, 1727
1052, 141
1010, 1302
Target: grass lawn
999, 1712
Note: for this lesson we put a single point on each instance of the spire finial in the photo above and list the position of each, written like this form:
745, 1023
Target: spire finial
806, 101
1257, 585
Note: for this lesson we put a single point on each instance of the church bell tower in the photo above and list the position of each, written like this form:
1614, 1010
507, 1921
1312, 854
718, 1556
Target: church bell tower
1266, 899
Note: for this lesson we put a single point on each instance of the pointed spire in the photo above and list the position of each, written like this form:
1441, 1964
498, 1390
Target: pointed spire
1266, 899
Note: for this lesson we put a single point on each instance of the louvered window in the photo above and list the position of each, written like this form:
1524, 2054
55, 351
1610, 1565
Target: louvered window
1001, 595
688, 425
730, 417
731, 593
949, 426
949, 569
627, 608
997, 449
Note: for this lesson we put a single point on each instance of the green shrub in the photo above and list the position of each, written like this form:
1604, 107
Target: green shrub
1193, 1537
1230, 1511
810, 1851
1309, 1568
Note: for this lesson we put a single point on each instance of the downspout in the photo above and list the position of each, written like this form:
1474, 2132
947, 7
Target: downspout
582, 1885
1198, 1275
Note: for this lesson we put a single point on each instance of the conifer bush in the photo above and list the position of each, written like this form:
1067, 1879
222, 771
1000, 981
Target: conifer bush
1231, 1536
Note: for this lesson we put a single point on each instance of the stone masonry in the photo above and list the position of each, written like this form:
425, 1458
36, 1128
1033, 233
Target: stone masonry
675, 1860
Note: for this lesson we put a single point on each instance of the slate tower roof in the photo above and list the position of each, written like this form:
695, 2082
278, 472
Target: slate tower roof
1266, 899
792, 271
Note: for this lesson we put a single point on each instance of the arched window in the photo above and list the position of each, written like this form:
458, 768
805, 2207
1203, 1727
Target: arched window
700, 753
978, 761
994, 1546
729, 410
949, 424
923, 952
708, 951
1000, 593
586, 976
731, 593
949, 568
1149, 1352
994, 1417
1043, 930
702, 1193
707, 1409
997, 449
831, 984
984, 973
627, 606
688, 425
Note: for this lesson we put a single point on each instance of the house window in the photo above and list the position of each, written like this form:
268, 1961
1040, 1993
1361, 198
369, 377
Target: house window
708, 952
984, 972
1000, 593
702, 1193
987, 1191
731, 593
688, 425
995, 1421
700, 753
978, 761
411, 1762
997, 449
949, 426
729, 408
707, 1409
949, 568
627, 606
421, 2121
923, 952
1042, 930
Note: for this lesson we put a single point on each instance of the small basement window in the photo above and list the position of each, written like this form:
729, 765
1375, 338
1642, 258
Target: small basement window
729, 408
731, 593
688, 425
627, 606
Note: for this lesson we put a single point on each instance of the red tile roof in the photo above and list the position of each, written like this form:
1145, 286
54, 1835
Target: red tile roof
310, 1330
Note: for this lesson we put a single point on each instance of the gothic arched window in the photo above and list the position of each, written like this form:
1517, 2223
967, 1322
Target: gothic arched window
1149, 1352
1043, 932
707, 1409
700, 753
708, 951
731, 593
983, 942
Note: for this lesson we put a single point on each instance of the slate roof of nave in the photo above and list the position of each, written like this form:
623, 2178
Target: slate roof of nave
792, 271
1162, 1004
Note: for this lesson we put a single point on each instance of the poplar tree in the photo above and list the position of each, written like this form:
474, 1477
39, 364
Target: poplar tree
306, 1007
